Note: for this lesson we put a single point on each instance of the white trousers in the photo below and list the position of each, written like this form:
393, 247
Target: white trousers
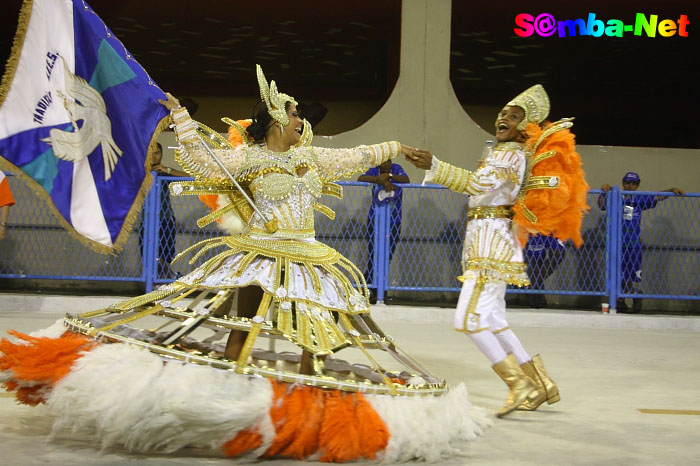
481, 313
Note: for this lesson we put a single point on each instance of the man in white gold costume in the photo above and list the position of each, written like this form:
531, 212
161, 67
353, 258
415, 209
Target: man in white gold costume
492, 256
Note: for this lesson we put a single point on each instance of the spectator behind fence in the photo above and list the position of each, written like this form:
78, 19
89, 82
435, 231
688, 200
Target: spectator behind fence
385, 191
631, 257
166, 243
6, 201
543, 254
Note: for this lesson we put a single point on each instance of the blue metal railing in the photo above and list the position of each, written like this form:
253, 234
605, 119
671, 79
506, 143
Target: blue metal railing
427, 244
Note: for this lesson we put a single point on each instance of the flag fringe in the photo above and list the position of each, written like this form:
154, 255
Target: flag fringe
25, 13
137, 206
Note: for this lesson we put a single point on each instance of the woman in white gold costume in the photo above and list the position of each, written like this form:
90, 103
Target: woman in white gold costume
136, 373
525, 159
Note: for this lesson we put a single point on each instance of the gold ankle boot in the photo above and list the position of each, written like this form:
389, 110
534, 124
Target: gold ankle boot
520, 385
546, 386
539, 395
551, 389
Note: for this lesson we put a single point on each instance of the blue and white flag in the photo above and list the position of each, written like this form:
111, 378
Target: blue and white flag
77, 118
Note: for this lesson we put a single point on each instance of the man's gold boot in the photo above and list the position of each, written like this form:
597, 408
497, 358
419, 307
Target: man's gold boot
520, 385
546, 387
550, 387
539, 395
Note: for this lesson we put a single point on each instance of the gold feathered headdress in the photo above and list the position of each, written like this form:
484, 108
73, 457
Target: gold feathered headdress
535, 102
275, 100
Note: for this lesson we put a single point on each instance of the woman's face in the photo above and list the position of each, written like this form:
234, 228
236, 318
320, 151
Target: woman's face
292, 132
507, 123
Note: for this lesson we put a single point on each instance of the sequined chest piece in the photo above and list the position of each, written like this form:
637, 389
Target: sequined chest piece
280, 192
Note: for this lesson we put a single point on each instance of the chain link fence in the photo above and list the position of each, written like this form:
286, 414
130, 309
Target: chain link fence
414, 248
37, 246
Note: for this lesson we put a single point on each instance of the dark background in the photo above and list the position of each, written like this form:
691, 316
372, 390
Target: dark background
635, 91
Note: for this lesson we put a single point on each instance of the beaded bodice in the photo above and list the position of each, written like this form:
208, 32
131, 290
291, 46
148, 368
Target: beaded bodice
281, 192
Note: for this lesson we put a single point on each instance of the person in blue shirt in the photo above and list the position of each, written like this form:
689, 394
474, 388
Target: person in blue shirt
385, 191
631, 247
543, 254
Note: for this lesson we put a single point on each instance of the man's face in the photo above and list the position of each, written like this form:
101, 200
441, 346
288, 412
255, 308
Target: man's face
157, 155
507, 123
385, 167
630, 185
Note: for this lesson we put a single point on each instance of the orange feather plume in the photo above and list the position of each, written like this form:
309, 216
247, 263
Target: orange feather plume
339, 440
37, 365
374, 435
559, 211
246, 440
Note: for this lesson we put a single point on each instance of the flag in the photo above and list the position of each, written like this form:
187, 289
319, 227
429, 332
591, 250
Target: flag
78, 119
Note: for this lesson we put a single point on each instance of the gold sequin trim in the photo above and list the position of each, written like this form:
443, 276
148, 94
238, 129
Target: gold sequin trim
471, 306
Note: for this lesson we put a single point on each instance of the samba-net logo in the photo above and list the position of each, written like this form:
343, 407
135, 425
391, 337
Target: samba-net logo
546, 25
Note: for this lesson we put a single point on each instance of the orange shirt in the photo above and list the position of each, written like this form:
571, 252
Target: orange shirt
5, 193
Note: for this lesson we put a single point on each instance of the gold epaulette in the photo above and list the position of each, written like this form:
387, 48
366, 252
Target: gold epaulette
325, 210
332, 189
213, 137
240, 129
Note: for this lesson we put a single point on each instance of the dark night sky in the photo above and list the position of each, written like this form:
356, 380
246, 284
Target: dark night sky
633, 91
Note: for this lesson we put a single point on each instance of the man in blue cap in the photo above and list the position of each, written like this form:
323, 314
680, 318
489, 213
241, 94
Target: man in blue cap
633, 205
384, 176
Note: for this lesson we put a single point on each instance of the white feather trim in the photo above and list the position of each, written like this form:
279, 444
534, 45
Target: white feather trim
429, 428
231, 223
124, 395
55, 331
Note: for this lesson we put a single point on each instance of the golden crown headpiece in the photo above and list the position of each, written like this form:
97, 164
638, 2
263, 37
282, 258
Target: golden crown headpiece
275, 100
535, 102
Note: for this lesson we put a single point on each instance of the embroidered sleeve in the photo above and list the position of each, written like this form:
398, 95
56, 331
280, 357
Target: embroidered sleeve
455, 178
334, 164
194, 157
490, 176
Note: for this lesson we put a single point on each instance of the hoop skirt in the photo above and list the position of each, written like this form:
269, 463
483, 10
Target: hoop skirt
149, 373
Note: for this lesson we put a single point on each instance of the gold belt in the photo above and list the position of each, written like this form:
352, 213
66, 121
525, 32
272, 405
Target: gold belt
496, 211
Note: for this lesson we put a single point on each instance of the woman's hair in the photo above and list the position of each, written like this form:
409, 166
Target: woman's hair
261, 121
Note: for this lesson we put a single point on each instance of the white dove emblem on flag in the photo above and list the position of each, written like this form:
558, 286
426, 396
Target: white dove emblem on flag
84, 103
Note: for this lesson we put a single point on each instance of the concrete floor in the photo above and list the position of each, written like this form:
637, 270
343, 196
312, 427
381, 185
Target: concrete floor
607, 368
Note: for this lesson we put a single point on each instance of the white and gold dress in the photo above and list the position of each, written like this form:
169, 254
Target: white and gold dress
149, 373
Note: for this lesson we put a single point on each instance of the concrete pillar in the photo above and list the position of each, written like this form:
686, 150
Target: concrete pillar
422, 110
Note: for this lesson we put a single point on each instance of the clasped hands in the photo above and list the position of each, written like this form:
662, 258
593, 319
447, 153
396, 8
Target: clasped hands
422, 159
